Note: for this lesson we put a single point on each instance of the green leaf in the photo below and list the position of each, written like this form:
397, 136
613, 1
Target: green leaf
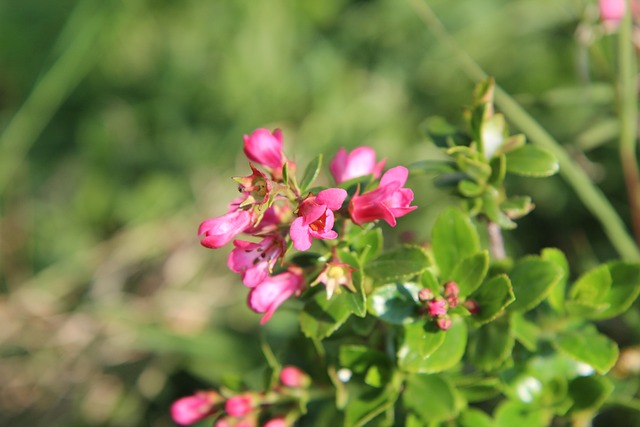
531, 160
432, 167
367, 242
419, 341
491, 207
470, 271
477, 170
359, 297
491, 345
447, 354
517, 206
361, 359
625, 287
532, 279
527, 333
367, 403
492, 298
396, 304
321, 317
439, 131
556, 297
591, 287
453, 238
310, 173
472, 417
481, 389
399, 264
432, 398
589, 393
589, 346
470, 188
511, 414
498, 170
492, 134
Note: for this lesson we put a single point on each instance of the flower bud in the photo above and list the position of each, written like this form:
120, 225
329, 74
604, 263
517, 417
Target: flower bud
191, 409
444, 322
239, 406
425, 294
437, 307
294, 377
276, 422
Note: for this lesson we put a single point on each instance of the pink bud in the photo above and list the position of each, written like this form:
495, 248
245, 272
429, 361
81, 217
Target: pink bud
472, 306
425, 294
239, 406
276, 422
360, 162
294, 377
444, 322
612, 10
191, 409
221, 230
265, 148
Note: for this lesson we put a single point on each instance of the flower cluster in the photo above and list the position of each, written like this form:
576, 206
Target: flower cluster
275, 212
278, 407
437, 307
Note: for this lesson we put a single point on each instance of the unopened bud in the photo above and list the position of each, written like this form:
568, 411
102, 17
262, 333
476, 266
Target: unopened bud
472, 306
444, 322
425, 294
239, 406
294, 377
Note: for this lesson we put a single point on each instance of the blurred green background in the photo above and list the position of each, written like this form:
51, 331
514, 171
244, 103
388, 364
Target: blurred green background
121, 123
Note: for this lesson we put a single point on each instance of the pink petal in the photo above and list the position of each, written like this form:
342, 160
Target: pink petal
398, 174
332, 198
300, 234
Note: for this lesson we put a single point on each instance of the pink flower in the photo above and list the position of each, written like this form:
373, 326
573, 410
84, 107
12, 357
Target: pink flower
239, 406
444, 322
276, 422
334, 275
221, 230
437, 307
612, 11
190, 409
265, 148
315, 217
360, 162
388, 202
267, 296
254, 261
256, 187
294, 377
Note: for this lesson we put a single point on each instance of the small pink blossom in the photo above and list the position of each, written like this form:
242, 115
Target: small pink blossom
221, 230
316, 218
239, 406
334, 275
388, 202
256, 187
360, 162
612, 10
444, 322
254, 261
265, 148
451, 292
425, 294
190, 409
294, 377
437, 307
267, 296
277, 422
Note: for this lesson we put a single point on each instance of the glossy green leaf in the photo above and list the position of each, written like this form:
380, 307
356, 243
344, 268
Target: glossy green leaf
591, 287
492, 134
477, 170
625, 288
531, 160
491, 345
518, 414
517, 206
470, 188
556, 297
438, 130
368, 242
447, 354
321, 317
399, 264
431, 398
589, 346
419, 341
453, 238
492, 297
472, 417
310, 173
498, 170
479, 389
491, 207
532, 279
367, 403
469, 272
396, 304
527, 333
589, 393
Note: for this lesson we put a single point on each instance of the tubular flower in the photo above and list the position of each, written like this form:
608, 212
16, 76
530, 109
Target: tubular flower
256, 187
267, 296
265, 148
221, 230
388, 202
360, 162
334, 275
315, 218
254, 261
191, 409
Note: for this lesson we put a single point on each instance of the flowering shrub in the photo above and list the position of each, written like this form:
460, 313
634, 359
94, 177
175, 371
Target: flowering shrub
452, 330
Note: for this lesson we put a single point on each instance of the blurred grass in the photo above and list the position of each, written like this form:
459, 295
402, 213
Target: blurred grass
130, 116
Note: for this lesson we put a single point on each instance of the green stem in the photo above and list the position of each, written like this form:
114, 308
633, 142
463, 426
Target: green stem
589, 194
629, 118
